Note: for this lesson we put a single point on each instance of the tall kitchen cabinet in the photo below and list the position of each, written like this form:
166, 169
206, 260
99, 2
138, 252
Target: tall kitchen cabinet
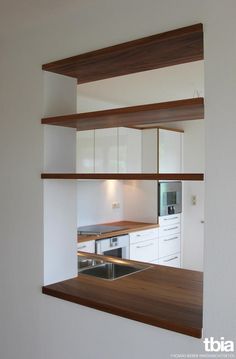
162, 152
109, 150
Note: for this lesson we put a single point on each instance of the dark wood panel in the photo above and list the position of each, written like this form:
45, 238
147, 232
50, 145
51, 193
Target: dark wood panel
180, 110
148, 53
165, 297
126, 176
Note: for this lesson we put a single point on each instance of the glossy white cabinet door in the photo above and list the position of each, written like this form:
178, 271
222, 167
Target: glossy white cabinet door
169, 245
129, 150
106, 150
149, 150
145, 251
145, 235
85, 152
171, 261
86, 247
170, 151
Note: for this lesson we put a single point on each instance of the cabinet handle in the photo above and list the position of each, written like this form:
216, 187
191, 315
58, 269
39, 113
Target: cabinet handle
170, 229
171, 259
170, 239
170, 219
146, 245
82, 247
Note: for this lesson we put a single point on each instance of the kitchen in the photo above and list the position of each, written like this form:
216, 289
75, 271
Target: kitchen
176, 148
138, 153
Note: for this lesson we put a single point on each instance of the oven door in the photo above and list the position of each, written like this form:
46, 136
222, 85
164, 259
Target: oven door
114, 247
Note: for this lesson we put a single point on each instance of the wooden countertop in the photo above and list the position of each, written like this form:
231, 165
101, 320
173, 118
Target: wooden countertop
165, 297
131, 227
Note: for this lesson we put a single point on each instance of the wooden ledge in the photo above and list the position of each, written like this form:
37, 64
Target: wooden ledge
165, 297
163, 112
166, 49
126, 176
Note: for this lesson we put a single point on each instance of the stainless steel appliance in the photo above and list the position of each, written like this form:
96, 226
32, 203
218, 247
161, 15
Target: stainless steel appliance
169, 198
98, 229
115, 246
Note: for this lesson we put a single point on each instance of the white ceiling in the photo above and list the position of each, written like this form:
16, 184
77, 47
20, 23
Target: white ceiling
165, 84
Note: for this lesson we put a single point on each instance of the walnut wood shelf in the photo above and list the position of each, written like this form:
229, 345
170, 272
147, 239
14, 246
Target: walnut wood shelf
166, 49
180, 110
126, 176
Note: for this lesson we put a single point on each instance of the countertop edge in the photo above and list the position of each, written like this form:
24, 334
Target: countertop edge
190, 331
140, 226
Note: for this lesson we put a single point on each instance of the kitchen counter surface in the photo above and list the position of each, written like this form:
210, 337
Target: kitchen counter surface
131, 227
165, 297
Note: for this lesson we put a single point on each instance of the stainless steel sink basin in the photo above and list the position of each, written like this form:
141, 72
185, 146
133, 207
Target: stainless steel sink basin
111, 271
84, 262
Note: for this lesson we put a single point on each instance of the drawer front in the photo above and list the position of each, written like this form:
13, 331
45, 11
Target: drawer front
169, 245
146, 251
171, 261
140, 236
169, 230
169, 220
86, 246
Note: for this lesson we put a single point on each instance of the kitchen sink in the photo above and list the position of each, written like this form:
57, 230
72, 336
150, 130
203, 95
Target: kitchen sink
111, 271
84, 262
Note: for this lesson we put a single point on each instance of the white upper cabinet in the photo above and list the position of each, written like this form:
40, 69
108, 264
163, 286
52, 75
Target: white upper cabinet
170, 151
85, 152
150, 150
161, 151
129, 150
106, 150
109, 150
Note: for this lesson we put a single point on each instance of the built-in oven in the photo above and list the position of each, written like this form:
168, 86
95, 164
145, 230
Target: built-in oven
169, 198
115, 246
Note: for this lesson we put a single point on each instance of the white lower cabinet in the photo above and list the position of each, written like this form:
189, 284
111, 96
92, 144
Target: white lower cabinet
144, 245
171, 261
169, 245
86, 247
170, 240
146, 251
157, 246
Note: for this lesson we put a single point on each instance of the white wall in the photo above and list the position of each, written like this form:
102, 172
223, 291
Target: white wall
94, 202
40, 327
59, 197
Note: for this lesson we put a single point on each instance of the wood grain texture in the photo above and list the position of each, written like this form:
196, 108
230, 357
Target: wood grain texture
180, 110
166, 49
131, 227
126, 176
165, 297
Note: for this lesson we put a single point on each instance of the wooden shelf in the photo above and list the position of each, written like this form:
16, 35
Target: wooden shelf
180, 110
126, 176
166, 49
